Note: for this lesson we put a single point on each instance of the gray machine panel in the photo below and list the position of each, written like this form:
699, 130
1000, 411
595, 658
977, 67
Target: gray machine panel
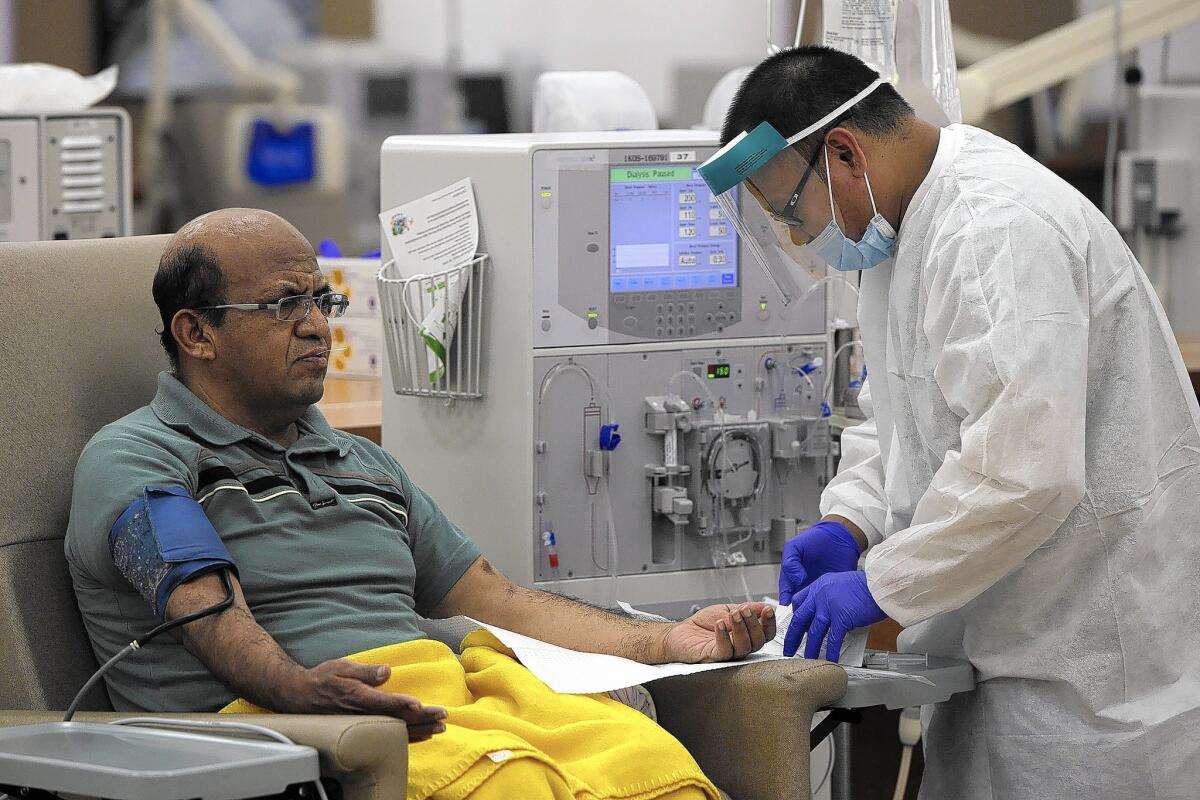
764, 500
684, 277
21, 181
83, 178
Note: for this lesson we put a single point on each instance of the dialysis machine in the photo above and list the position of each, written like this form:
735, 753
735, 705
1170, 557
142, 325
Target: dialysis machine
651, 414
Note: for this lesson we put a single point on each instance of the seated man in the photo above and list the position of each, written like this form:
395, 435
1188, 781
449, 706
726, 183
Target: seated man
336, 551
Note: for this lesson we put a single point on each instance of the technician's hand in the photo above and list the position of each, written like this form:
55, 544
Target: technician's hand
720, 633
835, 603
825, 547
347, 687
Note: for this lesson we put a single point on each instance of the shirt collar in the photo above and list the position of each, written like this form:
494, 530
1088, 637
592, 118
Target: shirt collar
179, 408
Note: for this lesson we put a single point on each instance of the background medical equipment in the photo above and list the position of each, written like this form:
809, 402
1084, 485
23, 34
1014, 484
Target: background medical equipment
253, 145
1157, 204
376, 93
65, 176
649, 411
590, 101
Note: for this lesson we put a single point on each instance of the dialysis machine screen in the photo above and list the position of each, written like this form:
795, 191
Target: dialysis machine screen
667, 232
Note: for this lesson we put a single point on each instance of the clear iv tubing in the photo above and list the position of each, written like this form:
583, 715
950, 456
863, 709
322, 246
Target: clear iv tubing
822, 281
827, 395
812, 386
560, 368
543, 390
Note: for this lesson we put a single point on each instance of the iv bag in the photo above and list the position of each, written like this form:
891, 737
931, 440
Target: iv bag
908, 42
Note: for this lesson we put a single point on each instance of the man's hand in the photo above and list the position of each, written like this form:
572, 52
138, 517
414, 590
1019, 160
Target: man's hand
243, 656
342, 686
720, 633
828, 546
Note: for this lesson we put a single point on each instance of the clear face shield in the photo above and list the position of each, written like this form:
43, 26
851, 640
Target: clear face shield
777, 199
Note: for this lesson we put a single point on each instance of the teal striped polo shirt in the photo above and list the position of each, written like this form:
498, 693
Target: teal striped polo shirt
336, 549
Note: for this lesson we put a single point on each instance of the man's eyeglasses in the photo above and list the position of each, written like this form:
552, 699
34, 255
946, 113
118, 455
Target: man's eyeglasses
293, 309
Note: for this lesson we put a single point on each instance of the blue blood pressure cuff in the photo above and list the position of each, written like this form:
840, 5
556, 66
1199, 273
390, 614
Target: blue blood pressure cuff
164, 539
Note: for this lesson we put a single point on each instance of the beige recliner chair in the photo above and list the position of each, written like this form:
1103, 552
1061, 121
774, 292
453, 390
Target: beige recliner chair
78, 348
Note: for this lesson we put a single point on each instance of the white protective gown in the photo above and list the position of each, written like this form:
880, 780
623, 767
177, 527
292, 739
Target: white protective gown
1029, 480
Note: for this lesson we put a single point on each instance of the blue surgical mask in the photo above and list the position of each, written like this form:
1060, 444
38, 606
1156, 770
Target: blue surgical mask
877, 245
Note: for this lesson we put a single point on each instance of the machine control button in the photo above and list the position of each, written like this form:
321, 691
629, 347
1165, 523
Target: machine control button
658, 331
593, 247
635, 298
545, 324
629, 322
731, 317
763, 315
618, 298
670, 307
691, 330
658, 309
592, 323
670, 331
691, 308
708, 317
658, 320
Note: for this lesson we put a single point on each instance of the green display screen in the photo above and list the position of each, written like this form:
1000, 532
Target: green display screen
637, 174
718, 371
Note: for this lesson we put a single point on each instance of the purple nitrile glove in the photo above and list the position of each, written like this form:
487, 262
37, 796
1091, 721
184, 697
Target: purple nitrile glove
835, 603
825, 547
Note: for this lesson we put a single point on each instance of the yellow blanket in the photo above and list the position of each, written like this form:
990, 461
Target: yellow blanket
508, 735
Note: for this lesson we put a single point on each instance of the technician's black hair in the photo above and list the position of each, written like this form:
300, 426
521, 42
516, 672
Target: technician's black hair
794, 88
187, 277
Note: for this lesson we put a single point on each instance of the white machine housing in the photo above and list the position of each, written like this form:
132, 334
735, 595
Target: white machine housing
553, 296
65, 175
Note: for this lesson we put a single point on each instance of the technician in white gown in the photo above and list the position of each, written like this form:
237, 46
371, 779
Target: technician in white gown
1027, 484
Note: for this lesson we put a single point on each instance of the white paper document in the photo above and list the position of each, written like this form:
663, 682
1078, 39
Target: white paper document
571, 672
434, 233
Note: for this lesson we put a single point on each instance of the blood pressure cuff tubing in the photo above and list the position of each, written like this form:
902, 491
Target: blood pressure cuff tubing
164, 539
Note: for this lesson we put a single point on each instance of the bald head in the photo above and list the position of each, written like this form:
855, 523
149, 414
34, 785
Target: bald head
228, 229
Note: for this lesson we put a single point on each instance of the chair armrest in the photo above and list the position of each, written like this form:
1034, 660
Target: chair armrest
367, 755
748, 727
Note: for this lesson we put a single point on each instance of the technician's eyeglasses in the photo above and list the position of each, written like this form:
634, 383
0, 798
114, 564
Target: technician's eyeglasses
787, 214
296, 308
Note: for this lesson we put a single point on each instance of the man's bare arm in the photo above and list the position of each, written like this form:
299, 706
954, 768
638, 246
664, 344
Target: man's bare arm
716, 634
243, 656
